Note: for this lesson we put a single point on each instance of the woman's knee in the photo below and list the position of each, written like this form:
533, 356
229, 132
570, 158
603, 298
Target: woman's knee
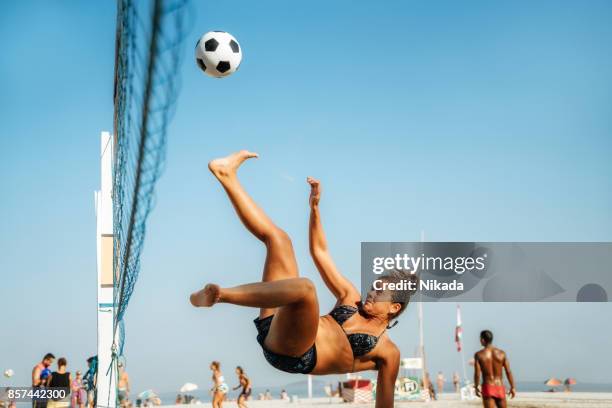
278, 238
307, 289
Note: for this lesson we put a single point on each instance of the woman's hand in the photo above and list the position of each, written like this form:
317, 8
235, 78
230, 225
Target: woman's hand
315, 191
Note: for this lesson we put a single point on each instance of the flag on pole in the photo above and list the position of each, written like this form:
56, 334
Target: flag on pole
458, 329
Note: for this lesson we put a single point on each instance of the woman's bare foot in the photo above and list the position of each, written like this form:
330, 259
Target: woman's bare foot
227, 166
206, 297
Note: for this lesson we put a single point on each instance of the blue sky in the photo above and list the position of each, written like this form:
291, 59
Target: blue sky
484, 121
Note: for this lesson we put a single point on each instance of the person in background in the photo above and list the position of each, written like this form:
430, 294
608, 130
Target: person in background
245, 383
79, 396
491, 362
284, 396
61, 380
456, 381
268, 395
123, 386
220, 388
40, 377
90, 379
41, 371
427, 384
440, 381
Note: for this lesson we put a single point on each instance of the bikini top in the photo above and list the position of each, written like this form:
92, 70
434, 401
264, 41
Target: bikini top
361, 343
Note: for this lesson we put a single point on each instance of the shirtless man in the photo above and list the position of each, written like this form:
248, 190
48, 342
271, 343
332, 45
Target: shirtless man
40, 377
123, 386
491, 361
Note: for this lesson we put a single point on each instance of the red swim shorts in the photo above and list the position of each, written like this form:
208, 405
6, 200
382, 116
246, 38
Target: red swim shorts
493, 391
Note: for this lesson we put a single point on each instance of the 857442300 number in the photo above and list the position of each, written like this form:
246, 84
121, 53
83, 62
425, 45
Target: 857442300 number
28, 394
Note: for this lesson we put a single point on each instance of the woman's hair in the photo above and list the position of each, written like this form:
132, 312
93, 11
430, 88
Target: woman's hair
62, 362
400, 296
216, 364
240, 370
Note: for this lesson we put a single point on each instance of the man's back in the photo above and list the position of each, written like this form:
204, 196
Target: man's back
491, 361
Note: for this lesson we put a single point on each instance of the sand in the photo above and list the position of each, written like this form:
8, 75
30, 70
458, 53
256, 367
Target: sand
523, 400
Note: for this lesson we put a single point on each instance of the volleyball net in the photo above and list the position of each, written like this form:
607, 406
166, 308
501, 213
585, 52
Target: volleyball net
148, 54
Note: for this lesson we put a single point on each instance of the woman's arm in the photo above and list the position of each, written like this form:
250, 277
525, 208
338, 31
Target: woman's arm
388, 367
340, 287
241, 382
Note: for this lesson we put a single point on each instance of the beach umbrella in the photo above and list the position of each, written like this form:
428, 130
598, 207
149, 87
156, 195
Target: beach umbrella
148, 394
570, 381
553, 382
189, 387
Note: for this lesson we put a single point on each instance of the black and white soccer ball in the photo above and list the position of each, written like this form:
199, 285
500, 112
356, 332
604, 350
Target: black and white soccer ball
218, 54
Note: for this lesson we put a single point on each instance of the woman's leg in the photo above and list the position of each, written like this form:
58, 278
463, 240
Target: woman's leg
294, 328
217, 400
280, 258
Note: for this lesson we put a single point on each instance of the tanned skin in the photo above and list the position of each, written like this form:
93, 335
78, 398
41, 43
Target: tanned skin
293, 301
245, 383
36, 371
491, 362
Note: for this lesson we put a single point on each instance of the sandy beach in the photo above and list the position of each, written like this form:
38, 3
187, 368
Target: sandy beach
523, 400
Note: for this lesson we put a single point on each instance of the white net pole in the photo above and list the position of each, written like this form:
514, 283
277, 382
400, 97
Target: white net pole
105, 379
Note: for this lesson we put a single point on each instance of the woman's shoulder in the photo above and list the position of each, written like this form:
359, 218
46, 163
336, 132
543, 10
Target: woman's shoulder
387, 349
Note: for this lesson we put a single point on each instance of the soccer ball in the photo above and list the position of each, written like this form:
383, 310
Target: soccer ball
218, 54
8, 373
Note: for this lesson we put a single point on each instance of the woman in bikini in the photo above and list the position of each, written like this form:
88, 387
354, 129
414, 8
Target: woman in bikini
245, 383
294, 338
220, 388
